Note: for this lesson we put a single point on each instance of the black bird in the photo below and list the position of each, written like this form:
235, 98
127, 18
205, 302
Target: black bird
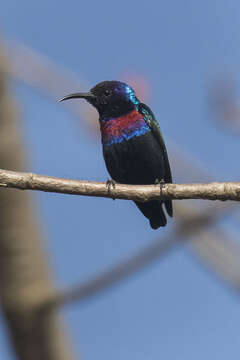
133, 147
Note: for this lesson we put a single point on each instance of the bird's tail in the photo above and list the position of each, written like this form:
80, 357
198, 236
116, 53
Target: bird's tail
154, 212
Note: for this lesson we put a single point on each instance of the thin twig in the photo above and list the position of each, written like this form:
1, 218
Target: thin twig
210, 191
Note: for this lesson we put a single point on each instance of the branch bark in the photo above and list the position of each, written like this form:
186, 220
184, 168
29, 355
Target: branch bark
211, 191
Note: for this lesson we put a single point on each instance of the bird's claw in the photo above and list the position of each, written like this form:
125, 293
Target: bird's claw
110, 183
161, 183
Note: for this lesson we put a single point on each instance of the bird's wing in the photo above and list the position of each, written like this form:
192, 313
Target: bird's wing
155, 128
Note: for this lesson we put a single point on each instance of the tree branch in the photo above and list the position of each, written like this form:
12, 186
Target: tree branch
210, 191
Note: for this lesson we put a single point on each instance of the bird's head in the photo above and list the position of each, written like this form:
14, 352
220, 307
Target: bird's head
110, 98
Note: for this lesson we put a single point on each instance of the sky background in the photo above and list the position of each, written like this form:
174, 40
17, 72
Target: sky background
174, 309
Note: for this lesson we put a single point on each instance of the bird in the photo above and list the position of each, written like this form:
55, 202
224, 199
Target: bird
133, 147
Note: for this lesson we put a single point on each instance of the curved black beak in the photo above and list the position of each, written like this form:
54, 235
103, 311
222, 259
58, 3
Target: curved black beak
88, 96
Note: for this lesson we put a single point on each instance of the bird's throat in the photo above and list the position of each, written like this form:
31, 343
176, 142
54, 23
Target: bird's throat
123, 128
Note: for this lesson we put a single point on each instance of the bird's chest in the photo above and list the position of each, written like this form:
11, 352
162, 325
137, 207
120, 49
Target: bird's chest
137, 160
130, 150
122, 129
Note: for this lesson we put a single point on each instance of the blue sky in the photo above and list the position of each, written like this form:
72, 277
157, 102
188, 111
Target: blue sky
175, 309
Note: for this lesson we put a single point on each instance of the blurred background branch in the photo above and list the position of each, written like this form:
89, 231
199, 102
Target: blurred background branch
185, 230
224, 102
25, 276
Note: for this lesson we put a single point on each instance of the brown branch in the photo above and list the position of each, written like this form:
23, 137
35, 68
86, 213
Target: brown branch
210, 191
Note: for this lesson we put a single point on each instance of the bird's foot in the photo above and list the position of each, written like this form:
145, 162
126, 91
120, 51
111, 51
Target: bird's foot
110, 184
161, 183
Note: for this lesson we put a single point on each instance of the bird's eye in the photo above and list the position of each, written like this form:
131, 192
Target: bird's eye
107, 92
